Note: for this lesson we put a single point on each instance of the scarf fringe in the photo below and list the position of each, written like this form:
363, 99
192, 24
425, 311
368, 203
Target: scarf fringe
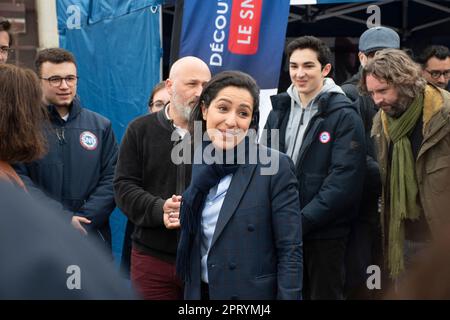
189, 220
396, 239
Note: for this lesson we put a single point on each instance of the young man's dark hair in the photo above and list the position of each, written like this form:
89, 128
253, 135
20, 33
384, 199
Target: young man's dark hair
440, 52
313, 43
53, 55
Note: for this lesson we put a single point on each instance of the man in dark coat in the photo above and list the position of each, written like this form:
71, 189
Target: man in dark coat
148, 183
365, 238
76, 175
321, 131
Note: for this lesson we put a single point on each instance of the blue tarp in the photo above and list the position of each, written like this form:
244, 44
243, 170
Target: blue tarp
117, 47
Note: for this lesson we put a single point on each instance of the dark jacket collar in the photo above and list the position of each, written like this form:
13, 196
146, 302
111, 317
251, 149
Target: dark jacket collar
164, 120
74, 110
282, 102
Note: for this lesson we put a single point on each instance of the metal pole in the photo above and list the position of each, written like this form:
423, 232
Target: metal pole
405, 31
47, 23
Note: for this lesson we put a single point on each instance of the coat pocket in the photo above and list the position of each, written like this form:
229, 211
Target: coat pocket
438, 172
73, 204
265, 287
265, 276
310, 186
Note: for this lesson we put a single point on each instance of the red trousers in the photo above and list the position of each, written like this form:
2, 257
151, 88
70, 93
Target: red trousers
153, 278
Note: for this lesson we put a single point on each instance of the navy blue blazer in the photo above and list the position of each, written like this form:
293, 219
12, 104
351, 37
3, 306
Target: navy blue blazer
256, 250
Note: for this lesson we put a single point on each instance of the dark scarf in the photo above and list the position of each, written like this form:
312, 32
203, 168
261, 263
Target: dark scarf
204, 177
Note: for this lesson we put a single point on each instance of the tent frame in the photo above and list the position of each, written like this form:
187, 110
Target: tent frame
313, 14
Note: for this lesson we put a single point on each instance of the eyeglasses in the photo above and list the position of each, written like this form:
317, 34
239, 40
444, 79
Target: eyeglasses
56, 81
5, 50
158, 104
436, 74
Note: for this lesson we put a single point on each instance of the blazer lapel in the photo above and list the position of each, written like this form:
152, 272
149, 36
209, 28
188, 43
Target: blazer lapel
237, 188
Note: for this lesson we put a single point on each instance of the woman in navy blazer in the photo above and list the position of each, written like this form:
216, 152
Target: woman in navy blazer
240, 217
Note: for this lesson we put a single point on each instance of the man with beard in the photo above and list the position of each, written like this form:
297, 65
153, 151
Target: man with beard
148, 184
76, 175
411, 133
364, 241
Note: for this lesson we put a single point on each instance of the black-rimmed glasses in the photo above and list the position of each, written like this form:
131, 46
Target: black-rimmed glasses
56, 81
158, 104
436, 74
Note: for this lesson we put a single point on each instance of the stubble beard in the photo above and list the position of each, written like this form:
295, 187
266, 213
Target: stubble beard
402, 104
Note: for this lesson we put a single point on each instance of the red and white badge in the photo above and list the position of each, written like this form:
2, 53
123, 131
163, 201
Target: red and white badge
88, 140
324, 137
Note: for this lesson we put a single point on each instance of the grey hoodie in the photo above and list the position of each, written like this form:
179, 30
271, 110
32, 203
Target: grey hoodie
300, 116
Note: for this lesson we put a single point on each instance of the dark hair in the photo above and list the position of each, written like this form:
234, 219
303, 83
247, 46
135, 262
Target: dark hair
220, 81
159, 86
22, 115
5, 25
440, 52
313, 43
53, 55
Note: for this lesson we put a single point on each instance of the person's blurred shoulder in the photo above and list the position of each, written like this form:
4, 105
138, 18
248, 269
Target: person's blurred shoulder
44, 258
428, 277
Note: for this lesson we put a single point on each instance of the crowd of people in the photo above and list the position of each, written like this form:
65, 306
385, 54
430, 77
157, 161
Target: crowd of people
340, 178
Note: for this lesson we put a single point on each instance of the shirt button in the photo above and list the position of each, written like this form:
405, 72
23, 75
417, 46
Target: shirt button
232, 265
251, 228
